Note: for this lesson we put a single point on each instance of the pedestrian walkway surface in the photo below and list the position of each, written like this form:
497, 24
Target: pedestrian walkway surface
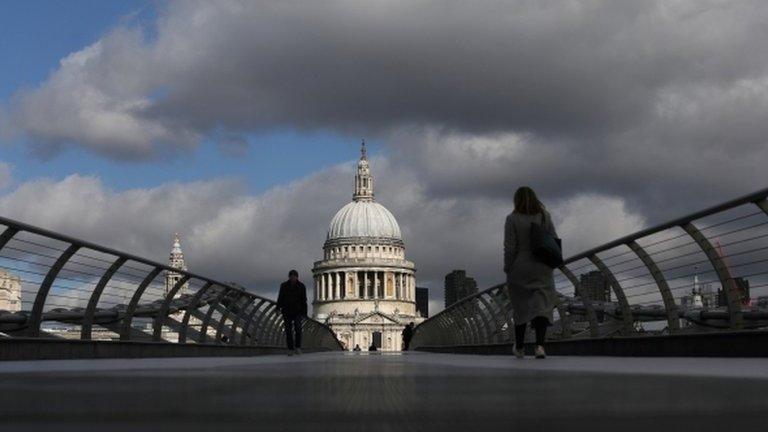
408, 392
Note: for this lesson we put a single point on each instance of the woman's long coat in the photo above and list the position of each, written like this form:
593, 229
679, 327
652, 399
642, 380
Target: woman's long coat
530, 282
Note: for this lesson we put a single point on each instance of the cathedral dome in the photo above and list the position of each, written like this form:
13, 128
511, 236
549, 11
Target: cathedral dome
364, 219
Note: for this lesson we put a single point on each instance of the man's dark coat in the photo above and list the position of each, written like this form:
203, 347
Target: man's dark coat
292, 299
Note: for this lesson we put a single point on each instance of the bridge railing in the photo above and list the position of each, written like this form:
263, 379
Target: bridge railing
56, 286
704, 272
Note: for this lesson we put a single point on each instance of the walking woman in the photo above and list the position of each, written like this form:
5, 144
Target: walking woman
530, 282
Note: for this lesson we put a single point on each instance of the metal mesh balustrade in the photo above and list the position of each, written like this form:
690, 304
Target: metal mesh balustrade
72, 289
704, 272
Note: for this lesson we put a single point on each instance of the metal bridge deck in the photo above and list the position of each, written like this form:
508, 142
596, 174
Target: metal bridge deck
409, 392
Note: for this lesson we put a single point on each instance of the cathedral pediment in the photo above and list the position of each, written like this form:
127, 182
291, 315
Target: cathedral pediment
376, 318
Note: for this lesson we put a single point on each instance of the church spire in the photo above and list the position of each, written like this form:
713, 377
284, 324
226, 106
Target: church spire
363, 178
175, 260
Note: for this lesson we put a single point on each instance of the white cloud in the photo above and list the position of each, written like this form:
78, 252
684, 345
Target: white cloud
586, 221
98, 98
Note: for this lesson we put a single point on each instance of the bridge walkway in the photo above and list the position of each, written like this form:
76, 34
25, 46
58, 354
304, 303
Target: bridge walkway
398, 392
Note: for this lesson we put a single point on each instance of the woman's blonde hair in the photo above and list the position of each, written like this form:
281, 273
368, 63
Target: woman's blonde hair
526, 201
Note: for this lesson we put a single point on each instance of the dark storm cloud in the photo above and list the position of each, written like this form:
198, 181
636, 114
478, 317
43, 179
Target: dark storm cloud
659, 180
551, 68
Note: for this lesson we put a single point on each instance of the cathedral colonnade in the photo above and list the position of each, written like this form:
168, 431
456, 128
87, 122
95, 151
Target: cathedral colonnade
364, 284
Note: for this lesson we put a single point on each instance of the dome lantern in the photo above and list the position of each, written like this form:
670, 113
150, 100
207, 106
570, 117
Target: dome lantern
363, 179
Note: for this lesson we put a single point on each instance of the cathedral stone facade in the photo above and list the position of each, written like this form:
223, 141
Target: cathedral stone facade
10, 292
365, 289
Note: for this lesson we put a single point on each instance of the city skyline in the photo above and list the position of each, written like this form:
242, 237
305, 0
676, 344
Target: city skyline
615, 137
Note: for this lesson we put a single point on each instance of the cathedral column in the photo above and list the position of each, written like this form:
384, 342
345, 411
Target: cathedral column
357, 285
375, 285
369, 281
334, 286
358, 279
405, 286
382, 283
337, 286
371, 291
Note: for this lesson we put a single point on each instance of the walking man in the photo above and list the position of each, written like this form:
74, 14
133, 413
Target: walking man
292, 302
407, 335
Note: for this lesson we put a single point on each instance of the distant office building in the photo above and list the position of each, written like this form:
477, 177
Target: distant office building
742, 290
458, 286
595, 286
708, 294
10, 292
422, 302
